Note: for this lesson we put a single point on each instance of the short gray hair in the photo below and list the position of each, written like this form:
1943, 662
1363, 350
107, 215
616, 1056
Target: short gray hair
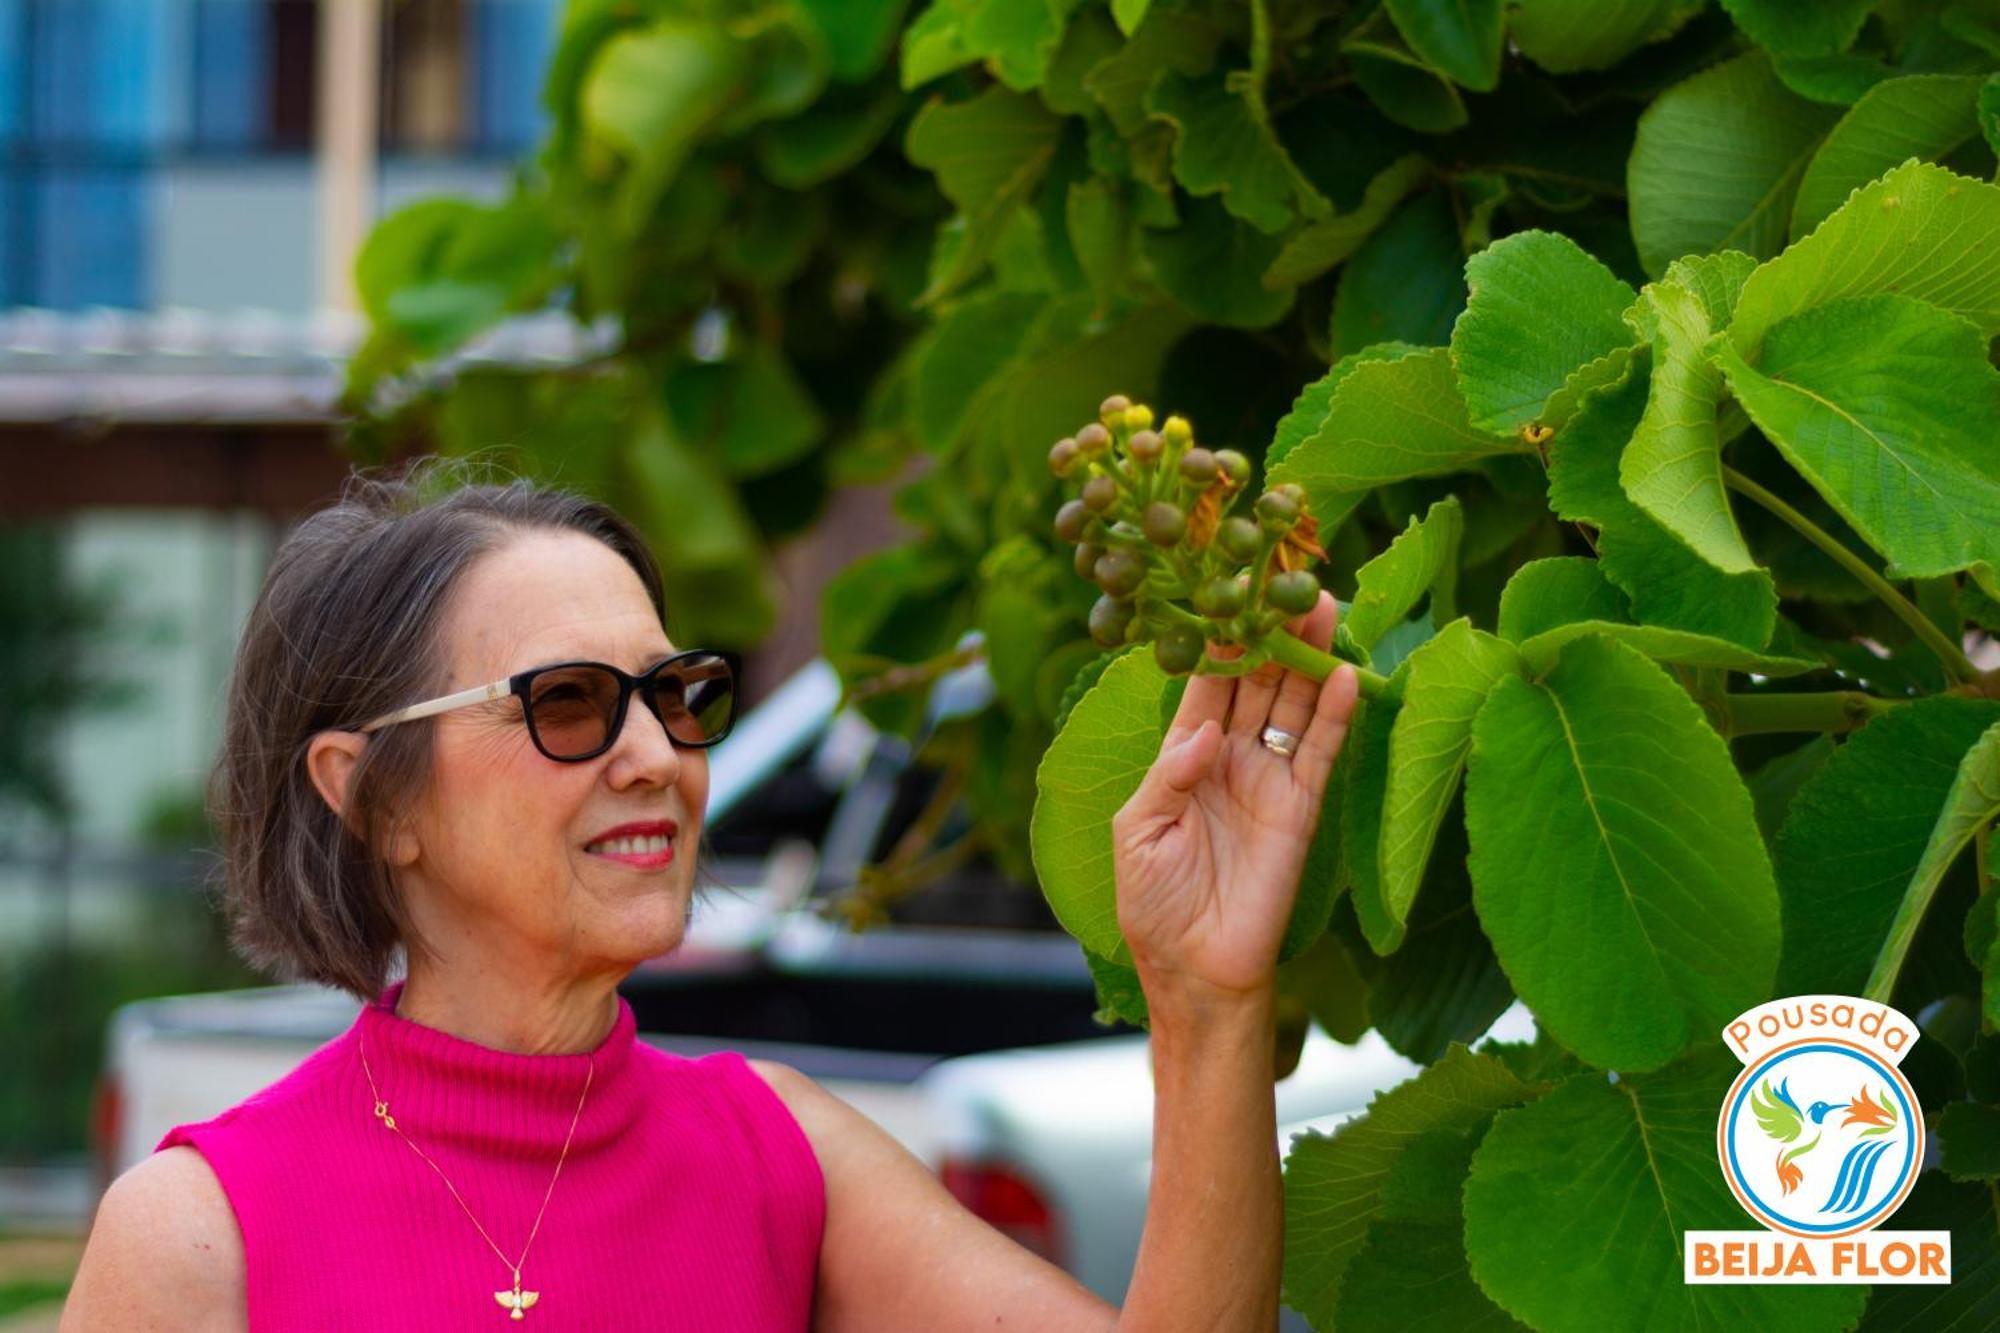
345, 627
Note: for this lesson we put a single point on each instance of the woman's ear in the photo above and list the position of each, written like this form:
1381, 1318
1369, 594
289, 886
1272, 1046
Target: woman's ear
331, 758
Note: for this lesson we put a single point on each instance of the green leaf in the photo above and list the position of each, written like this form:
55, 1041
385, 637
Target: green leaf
1120, 997
1972, 1215
1855, 834
1129, 14
1336, 996
1449, 678
1398, 81
1560, 590
752, 411
1223, 145
1422, 558
1017, 38
830, 139
650, 94
1669, 584
1823, 28
1989, 112
1672, 467
1909, 232
1970, 805
1166, 39
1969, 1133
1664, 645
1459, 37
988, 154
1215, 267
1775, 783
1364, 788
1309, 409
858, 33
1564, 36
1717, 160
1337, 1187
964, 351
1889, 407
934, 44
1095, 763
1635, 912
1540, 307
1923, 115
1840, 80
1100, 228
1405, 282
1387, 420
1317, 247
1717, 280
1576, 1204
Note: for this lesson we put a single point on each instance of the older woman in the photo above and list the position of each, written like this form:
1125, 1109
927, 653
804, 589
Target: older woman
458, 731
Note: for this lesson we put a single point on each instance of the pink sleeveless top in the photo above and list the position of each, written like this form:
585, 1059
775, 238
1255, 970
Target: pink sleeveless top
690, 1198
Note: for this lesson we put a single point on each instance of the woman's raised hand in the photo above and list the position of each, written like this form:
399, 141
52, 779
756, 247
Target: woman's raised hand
1207, 852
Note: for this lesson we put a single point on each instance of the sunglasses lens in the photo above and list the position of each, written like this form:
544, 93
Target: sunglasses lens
572, 708
697, 698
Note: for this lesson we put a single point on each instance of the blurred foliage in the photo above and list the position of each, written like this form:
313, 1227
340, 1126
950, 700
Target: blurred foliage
842, 241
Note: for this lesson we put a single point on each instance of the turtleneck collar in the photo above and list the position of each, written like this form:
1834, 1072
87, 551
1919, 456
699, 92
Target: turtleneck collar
445, 1090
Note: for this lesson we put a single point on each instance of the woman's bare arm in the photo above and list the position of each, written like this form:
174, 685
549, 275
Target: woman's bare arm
163, 1254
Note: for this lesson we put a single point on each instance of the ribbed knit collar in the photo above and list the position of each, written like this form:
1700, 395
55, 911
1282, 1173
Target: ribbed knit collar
445, 1091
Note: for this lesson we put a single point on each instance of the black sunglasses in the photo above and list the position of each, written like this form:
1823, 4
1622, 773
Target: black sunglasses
575, 710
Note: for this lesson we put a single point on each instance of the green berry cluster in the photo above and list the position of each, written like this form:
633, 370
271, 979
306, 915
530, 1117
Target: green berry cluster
1150, 519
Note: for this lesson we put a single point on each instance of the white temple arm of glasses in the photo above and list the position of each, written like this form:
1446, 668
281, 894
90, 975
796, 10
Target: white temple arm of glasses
478, 694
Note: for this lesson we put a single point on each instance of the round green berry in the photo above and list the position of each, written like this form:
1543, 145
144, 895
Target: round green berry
1070, 520
1119, 572
1220, 597
1086, 559
1294, 592
1093, 439
1112, 410
1239, 538
1199, 466
1064, 457
1109, 619
1164, 523
1177, 432
1277, 511
1099, 493
1178, 649
1234, 463
1145, 446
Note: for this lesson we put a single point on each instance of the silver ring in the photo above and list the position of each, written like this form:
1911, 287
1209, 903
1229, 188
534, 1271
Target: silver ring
1279, 741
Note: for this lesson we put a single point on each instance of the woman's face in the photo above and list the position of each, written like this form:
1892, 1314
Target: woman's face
495, 859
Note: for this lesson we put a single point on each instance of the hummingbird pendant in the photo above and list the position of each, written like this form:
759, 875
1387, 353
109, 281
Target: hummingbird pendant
516, 1300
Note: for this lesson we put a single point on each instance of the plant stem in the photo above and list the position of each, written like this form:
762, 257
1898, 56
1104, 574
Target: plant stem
1952, 655
1290, 651
1825, 710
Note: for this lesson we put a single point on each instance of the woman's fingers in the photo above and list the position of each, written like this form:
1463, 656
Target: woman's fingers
1313, 762
1292, 708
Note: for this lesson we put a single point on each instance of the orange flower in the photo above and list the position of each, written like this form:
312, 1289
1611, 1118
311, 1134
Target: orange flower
1299, 545
1862, 1111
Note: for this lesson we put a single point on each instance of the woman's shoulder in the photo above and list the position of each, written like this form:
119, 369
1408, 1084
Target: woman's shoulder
164, 1251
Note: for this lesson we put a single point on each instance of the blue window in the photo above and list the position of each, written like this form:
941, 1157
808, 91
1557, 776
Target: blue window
513, 41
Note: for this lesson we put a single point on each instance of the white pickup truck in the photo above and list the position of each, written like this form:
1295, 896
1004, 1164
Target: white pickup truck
973, 1045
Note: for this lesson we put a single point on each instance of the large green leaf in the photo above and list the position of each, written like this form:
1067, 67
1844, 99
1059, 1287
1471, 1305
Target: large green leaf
1576, 1204
1167, 39
1889, 407
964, 350
1096, 762
1423, 558
1016, 38
858, 33
1970, 805
1564, 36
1669, 584
1921, 115
1401, 84
1387, 420
1449, 678
831, 138
1215, 267
650, 93
1717, 161
1539, 307
752, 411
988, 154
1918, 231
1404, 282
1459, 37
1381, 1167
1560, 590
1855, 833
1971, 1213
1223, 144
1672, 467
1317, 247
1663, 645
1309, 409
1634, 909
1781, 27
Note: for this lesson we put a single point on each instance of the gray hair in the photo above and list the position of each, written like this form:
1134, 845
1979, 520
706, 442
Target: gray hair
345, 627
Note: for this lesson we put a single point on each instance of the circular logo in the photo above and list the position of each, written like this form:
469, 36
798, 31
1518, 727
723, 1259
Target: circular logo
1820, 1138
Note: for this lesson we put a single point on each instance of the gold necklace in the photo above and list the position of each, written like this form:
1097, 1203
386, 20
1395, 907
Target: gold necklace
515, 1300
